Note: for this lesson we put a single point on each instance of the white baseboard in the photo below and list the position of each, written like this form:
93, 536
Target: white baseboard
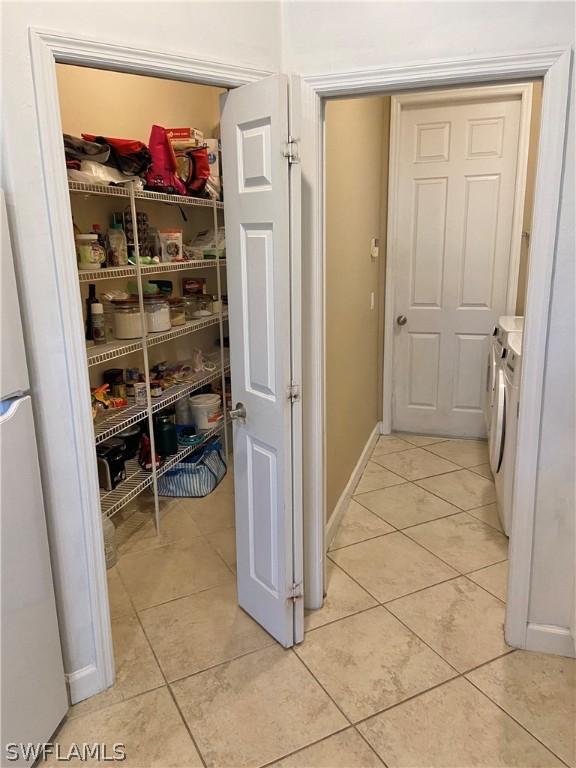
548, 638
84, 683
344, 500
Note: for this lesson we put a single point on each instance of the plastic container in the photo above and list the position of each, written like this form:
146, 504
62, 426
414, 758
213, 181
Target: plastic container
127, 321
205, 411
131, 437
110, 552
177, 311
165, 436
118, 246
98, 325
90, 253
157, 315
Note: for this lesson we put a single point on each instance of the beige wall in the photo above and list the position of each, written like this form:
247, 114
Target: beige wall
130, 104
355, 153
529, 198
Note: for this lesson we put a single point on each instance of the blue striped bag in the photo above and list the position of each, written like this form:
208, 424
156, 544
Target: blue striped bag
196, 476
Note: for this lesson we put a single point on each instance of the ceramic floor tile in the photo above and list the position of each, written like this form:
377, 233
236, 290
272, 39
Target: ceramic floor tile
484, 470
390, 444
453, 726
166, 573
200, 631
391, 566
118, 598
462, 541
224, 542
256, 709
465, 453
489, 515
213, 513
494, 579
136, 667
346, 749
420, 440
343, 597
374, 477
176, 525
464, 489
415, 464
404, 505
370, 661
149, 726
539, 691
358, 524
458, 619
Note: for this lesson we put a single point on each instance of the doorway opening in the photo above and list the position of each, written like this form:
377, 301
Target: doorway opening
427, 232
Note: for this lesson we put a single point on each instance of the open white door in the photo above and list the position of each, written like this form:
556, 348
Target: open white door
256, 173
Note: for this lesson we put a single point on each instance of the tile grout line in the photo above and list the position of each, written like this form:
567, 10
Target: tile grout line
524, 728
349, 727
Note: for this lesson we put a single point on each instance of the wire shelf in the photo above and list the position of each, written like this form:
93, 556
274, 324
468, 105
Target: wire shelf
138, 479
141, 194
113, 273
102, 353
132, 414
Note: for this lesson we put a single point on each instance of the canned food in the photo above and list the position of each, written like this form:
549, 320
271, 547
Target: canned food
140, 393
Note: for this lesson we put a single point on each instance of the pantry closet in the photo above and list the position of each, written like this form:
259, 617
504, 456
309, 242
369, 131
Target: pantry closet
164, 314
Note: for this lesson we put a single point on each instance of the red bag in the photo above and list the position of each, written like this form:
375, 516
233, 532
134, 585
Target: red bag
128, 155
161, 176
193, 170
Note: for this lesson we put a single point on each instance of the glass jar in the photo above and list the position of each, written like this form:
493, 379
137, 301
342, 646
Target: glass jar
91, 255
127, 320
157, 315
190, 306
177, 311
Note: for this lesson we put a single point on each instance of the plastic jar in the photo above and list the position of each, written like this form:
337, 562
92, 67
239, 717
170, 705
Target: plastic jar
127, 320
157, 315
90, 253
177, 311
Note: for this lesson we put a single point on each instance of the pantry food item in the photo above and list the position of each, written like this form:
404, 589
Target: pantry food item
193, 285
114, 377
177, 311
127, 320
157, 313
209, 244
90, 253
98, 327
117, 246
140, 393
171, 244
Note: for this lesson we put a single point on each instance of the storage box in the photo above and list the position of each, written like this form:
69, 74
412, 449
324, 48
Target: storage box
181, 138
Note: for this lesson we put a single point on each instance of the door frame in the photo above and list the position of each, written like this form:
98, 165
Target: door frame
398, 102
48, 48
553, 65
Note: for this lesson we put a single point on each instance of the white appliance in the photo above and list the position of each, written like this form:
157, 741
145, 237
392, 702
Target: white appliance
498, 343
34, 698
505, 426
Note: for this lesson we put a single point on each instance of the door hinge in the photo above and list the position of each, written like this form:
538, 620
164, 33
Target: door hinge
293, 392
291, 150
295, 592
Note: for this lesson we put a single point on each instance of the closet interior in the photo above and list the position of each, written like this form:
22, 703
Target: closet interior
153, 291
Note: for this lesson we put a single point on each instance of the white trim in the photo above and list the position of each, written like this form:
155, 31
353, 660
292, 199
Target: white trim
346, 495
47, 48
554, 66
549, 639
397, 103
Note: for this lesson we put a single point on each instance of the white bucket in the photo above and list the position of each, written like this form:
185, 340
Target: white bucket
203, 408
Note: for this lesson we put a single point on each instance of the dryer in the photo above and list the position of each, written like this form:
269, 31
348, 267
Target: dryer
506, 325
502, 443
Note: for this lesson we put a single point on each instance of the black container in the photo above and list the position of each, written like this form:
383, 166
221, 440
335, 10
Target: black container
111, 467
131, 437
165, 435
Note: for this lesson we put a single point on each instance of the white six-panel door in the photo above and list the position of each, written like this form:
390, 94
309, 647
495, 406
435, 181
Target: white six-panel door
254, 124
455, 184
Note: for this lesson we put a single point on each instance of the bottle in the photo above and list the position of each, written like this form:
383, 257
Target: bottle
98, 327
118, 246
96, 230
89, 301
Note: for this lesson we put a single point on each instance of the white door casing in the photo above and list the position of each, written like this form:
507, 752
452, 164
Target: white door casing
455, 167
255, 129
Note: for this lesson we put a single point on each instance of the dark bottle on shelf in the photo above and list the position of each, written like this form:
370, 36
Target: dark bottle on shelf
165, 436
89, 301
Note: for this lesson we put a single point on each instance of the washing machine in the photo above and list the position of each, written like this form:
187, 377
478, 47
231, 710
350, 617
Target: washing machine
502, 442
506, 325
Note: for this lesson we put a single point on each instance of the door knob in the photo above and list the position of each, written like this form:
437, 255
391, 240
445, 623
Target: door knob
401, 319
238, 413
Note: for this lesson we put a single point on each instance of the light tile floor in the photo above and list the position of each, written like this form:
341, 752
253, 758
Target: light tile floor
405, 665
